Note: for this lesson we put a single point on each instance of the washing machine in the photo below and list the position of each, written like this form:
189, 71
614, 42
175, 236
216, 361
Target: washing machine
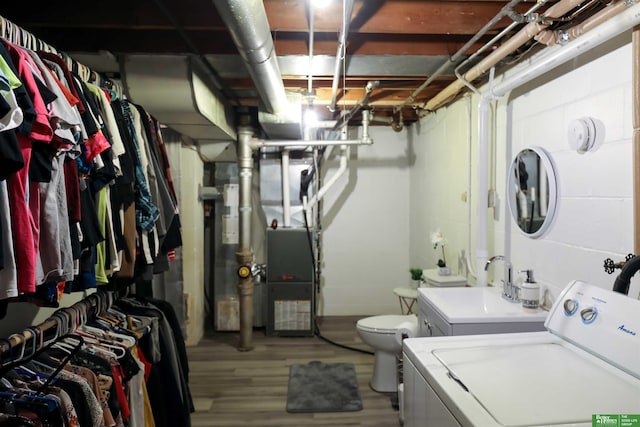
583, 370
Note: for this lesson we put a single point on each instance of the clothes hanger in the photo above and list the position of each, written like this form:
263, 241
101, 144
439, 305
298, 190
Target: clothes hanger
3, 28
110, 335
21, 339
9, 350
61, 366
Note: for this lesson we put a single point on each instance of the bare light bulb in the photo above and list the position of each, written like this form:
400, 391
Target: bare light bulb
310, 117
320, 4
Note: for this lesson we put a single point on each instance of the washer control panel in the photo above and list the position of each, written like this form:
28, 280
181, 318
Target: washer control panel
603, 322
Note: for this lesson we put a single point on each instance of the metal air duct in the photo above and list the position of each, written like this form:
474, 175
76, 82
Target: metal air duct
178, 92
248, 25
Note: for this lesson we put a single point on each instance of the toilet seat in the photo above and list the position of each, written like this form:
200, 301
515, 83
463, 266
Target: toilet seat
385, 324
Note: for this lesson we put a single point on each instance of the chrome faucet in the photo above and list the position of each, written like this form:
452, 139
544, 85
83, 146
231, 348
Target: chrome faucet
509, 290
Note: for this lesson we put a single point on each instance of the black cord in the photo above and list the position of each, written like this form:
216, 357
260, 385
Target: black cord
316, 329
310, 240
323, 338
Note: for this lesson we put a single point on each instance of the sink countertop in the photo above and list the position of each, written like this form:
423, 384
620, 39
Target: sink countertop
477, 305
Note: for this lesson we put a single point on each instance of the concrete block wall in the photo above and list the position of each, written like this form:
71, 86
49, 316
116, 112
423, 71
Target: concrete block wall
594, 214
366, 228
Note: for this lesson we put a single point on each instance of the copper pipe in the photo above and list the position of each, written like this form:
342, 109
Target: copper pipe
527, 33
553, 37
508, 8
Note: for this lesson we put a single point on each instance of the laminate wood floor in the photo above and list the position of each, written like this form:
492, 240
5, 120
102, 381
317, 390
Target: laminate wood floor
233, 388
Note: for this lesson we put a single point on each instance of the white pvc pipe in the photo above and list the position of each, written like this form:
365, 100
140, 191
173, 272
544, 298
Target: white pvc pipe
286, 191
335, 177
311, 143
482, 199
523, 73
470, 194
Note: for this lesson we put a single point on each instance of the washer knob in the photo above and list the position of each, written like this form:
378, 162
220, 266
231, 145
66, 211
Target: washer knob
570, 307
589, 315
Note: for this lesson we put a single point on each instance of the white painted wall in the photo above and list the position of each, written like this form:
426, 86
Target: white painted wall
594, 217
439, 183
366, 228
192, 219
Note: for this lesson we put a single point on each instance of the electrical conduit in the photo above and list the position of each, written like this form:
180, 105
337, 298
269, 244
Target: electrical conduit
347, 9
286, 191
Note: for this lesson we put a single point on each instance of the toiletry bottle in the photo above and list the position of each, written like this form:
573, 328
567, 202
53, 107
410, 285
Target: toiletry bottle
530, 292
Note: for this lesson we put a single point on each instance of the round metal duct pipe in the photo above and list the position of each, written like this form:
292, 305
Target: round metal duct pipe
247, 22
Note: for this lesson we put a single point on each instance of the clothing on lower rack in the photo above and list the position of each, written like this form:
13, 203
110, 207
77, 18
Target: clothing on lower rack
125, 367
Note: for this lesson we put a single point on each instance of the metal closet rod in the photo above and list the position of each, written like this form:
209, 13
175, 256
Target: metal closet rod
21, 37
77, 314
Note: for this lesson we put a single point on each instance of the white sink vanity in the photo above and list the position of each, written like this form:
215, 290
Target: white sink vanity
473, 311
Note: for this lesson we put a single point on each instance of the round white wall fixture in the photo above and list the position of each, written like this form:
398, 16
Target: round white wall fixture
585, 134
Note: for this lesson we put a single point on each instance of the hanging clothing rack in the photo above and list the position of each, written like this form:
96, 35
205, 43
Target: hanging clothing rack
63, 322
74, 347
19, 36
90, 116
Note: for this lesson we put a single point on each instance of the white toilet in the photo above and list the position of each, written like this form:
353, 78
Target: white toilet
379, 332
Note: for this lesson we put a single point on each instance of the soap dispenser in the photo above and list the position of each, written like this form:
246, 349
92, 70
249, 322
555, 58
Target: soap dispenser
530, 292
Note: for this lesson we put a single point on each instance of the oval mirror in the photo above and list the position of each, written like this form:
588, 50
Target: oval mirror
532, 191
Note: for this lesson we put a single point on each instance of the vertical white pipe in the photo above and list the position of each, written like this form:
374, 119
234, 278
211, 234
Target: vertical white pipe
334, 178
286, 192
635, 64
507, 159
520, 75
470, 194
482, 199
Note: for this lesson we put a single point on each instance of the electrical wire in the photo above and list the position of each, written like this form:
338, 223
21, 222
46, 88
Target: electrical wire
316, 328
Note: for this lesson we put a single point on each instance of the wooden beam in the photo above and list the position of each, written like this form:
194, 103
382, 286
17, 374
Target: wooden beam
390, 17
376, 44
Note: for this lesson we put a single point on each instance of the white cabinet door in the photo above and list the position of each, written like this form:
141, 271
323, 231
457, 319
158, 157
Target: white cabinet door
422, 407
431, 324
